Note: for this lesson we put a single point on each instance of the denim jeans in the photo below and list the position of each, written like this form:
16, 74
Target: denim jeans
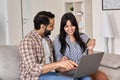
55, 76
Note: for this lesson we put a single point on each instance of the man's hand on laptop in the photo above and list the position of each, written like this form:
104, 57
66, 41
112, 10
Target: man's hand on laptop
66, 65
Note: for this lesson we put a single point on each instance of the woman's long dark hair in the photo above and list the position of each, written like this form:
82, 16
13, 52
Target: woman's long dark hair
62, 35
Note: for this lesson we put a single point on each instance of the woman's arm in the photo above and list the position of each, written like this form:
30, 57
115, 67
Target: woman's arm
90, 45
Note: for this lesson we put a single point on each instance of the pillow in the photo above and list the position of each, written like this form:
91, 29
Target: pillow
111, 60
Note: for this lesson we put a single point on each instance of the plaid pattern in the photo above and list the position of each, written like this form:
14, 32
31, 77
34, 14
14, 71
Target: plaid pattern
32, 56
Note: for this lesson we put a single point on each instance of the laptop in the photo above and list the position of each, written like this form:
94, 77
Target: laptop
88, 64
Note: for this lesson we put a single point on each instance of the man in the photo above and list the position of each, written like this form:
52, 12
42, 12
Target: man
36, 52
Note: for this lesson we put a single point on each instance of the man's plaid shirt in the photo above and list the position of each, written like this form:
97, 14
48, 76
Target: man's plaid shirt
32, 56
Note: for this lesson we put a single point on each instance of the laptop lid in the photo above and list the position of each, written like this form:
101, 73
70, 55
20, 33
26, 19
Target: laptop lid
88, 64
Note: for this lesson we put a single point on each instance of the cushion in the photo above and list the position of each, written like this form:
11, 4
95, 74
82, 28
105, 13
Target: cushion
113, 74
9, 62
111, 60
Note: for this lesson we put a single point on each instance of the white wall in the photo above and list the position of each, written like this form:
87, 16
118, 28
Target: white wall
3, 22
14, 22
114, 17
12, 34
10, 22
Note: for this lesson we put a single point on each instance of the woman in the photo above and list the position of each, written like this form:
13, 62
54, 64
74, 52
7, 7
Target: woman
70, 44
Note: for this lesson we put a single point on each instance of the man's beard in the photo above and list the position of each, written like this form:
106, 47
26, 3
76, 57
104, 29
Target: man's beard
47, 32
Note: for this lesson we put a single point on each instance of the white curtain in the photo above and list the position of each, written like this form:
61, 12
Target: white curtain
107, 31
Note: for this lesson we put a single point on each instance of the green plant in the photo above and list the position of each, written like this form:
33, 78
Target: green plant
71, 8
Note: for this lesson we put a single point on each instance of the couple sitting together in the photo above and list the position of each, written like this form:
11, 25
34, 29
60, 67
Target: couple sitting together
43, 59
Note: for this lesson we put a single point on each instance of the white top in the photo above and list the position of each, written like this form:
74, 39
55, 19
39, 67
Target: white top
47, 51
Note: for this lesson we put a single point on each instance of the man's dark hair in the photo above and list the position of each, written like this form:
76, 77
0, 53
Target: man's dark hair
47, 14
42, 17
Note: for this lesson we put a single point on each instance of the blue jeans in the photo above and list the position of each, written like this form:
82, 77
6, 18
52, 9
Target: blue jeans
55, 76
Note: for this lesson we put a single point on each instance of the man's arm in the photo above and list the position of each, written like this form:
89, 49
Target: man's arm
59, 66
28, 58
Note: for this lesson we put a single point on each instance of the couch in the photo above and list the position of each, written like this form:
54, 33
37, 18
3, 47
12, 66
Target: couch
110, 64
9, 63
